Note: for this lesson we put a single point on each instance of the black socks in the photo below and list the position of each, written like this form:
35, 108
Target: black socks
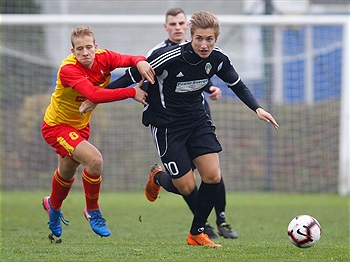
206, 198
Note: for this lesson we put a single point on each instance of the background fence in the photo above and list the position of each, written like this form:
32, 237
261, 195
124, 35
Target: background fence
295, 68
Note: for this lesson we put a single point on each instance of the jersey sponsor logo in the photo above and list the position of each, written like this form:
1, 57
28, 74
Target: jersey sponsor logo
190, 86
80, 98
208, 68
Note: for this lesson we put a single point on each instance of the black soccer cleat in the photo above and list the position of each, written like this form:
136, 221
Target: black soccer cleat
209, 230
226, 231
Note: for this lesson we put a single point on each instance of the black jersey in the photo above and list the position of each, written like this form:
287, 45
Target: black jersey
176, 96
167, 43
163, 44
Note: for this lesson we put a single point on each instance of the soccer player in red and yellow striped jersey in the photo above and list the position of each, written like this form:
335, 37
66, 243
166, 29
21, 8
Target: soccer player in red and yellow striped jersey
83, 75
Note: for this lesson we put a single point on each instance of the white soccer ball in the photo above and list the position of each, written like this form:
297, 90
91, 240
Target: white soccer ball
304, 231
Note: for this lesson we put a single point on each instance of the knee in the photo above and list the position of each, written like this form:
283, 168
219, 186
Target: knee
216, 180
95, 165
186, 184
186, 190
97, 161
212, 178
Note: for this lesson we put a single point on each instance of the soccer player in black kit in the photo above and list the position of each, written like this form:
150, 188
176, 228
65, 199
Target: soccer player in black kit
182, 130
176, 26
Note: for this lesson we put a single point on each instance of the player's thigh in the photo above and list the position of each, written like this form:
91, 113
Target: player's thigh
208, 166
203, 147
87, 154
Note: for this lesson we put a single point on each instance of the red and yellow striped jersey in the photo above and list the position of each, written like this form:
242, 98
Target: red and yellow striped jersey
75, 84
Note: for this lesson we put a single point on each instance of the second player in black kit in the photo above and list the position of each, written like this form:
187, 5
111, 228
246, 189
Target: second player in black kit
182, 129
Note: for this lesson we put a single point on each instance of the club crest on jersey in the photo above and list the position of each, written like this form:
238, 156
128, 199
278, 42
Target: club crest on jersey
208, 68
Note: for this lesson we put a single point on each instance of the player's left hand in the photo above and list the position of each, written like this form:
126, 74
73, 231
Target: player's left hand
215, 93
267, 117
146, 71
86, 106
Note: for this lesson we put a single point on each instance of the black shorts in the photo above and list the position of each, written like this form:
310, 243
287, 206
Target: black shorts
178, 146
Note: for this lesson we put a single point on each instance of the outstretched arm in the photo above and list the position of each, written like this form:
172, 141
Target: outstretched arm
140, 96
143, 70
247, 97
121, 82
133, 75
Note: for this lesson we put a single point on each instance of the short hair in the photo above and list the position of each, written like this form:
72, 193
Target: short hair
204, 20
174, 12
81, 31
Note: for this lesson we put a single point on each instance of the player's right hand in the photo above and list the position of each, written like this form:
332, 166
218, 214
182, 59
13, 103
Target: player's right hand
140, 95
146, 71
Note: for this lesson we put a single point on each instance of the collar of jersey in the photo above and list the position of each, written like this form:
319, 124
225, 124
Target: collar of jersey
190, 55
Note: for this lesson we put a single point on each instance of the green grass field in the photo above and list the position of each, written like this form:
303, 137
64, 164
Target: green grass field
144, 231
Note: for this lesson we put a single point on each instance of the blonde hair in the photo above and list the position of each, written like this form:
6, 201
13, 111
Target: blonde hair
204, 20
81, 31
